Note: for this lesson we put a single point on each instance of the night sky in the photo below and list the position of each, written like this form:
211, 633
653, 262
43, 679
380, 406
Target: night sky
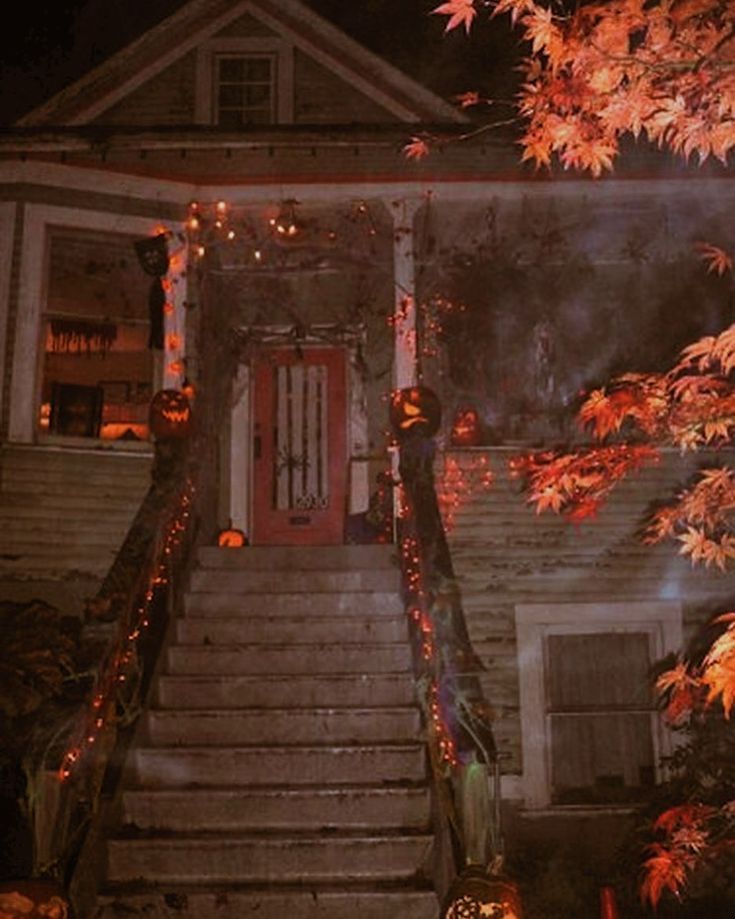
49, 44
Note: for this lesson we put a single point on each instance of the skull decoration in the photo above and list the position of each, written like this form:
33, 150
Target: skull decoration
169, 415
415, 410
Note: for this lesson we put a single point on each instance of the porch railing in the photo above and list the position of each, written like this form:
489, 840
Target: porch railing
462, 751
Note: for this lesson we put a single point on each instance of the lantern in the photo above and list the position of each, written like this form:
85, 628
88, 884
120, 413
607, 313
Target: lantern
415, 410
476, 895
232, 538
465, 428
169, 415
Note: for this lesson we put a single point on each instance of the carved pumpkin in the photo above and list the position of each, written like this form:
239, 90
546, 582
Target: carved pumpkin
170, 415
232, 538
475, 894
415, 410
465, 428
39, 899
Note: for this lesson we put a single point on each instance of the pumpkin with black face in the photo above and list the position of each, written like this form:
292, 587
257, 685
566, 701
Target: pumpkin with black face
415, 410
465, 428
170, 415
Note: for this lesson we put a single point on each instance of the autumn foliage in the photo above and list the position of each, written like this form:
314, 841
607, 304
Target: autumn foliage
663, 69
631, 419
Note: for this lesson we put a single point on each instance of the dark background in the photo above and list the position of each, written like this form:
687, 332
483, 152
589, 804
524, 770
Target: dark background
49, 44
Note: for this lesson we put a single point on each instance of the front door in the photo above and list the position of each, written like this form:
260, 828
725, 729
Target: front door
300, 446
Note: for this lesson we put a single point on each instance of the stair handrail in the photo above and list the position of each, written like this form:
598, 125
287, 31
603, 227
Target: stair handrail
124, 624
462, 751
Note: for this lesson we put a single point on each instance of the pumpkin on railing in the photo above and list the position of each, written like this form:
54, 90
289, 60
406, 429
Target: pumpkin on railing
169, 415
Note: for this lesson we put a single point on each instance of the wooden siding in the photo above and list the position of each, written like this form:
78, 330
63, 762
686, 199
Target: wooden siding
504, 554
246, 27
167, 99
320, 97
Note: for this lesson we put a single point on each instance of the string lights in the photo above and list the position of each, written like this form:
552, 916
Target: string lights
261, 233
461, 478
100, 713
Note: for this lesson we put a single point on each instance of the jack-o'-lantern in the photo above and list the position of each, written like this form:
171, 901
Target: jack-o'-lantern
232, 538
415, 410
475, 895
36, 899
170, 415
465, 428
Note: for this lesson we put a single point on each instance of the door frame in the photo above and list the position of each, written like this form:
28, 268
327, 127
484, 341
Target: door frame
238, 458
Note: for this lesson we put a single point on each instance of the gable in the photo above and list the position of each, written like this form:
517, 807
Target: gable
282, 64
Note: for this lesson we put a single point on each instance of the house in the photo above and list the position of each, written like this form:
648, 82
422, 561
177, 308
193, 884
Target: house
312, 268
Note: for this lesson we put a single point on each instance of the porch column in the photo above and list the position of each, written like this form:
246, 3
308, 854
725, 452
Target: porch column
404, 279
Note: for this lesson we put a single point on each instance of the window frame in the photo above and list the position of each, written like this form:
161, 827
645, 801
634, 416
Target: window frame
280, 52
660, 620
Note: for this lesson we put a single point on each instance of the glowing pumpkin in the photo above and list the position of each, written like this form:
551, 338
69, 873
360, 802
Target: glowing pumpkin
465, 428
475, 894
33, 900
415, 410
169, 415
232, 538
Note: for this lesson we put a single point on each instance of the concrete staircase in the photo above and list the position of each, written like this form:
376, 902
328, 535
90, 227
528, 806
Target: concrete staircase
280, 771
63, 515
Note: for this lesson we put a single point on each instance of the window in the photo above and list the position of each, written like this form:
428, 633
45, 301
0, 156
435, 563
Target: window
97, 370
590, 732
245, 90
244, 81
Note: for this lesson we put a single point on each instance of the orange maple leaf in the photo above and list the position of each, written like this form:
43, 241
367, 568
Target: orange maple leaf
460, 12
417, 149
718, 261
468, 99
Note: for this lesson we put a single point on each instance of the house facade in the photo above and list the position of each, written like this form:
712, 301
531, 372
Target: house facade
265, 148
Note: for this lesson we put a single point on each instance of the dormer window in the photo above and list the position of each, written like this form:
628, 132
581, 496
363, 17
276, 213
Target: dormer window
245, 88
245, 81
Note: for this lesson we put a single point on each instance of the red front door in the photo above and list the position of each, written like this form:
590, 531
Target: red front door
300, 446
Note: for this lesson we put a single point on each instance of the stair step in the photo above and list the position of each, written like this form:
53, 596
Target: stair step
205, 691
236, 902
270, 558
288, 658
234, 809
217, 631
179, 767
224, 859
267, 726
310, 580
355, 604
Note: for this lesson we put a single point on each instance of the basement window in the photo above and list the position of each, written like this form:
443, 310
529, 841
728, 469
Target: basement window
591, 735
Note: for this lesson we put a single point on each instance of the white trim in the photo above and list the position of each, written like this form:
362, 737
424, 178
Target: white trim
404, 281
138, 77
162, 191
39, 219
7, 238
661, 620
241, 448
279, 49
365, 63
150, 43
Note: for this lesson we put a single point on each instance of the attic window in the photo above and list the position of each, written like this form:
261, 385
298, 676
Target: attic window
245, 90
